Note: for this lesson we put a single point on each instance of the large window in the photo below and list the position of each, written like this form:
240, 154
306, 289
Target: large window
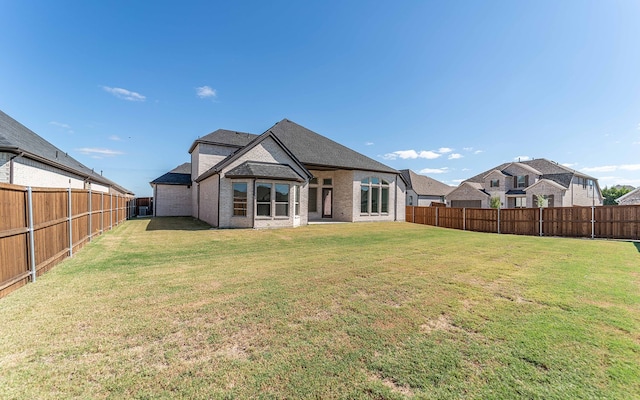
313, 199
374, 196
520, 202
240, 199
282, 200
263, 199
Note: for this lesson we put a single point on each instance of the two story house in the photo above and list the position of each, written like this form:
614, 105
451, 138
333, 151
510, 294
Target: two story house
522, 184
285, 177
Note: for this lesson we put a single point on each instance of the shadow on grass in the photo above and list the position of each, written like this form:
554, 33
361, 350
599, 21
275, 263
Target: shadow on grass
176, 224
637, 244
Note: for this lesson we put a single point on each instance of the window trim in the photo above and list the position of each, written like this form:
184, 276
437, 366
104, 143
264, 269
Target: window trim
370, 186
235, 201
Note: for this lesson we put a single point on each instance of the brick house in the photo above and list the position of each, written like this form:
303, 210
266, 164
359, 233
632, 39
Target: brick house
519, 185
285, 177
631, 198
27, 159
423, 190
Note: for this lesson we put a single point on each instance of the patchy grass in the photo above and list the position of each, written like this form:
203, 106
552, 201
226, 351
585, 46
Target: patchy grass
167, 308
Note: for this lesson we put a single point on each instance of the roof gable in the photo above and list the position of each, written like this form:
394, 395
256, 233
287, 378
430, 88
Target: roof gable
238, 154
315, 150
424, 185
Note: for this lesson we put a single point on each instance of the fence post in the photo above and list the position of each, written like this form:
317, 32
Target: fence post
90, 209
101, 212
498, 220
464, 219
437, 209
70, 223
540, 221
32, 251
413, 217
593, 220
110, 211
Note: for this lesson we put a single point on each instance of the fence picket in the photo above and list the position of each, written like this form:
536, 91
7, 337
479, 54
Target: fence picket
610, 222
32, 229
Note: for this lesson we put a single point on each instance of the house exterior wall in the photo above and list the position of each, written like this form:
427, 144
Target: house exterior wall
5, 167
583, 194
172, 200
466, 192
545, 189
27, 172
504, 181
633, 198
396, 198
516, 170
205, 156
266, 151
208, 190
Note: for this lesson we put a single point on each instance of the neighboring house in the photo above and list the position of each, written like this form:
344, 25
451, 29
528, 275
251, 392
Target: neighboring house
518, 185
284, 177
422, 190
631, 198
27, 159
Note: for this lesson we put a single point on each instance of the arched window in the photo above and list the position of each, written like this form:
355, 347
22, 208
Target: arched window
374, 196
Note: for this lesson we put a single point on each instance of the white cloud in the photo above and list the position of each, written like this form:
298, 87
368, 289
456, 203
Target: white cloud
115, 138
569, 165
478, 151
612, 168
522, 158
205, 91
444, 150
458, 181
429, 155
455, 156
411, 155
59, 125
124, 94
368, 144
99, 153
467, 148
636, 143
443, 170
466, 169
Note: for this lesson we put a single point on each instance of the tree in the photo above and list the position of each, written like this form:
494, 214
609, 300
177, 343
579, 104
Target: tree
495, 202
542, 201
611, 194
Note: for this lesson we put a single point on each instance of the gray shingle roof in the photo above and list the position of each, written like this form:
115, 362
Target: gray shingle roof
425, 186
17, 138
250, 169
180, 175
313, 149
226, 138
548, 169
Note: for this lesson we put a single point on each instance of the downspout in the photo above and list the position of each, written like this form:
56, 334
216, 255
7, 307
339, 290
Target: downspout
11, 178
395, 201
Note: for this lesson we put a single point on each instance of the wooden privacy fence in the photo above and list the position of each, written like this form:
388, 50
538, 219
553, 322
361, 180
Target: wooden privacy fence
608, 222
41, 227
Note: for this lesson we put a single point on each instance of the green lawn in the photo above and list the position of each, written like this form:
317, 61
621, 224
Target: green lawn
167, 308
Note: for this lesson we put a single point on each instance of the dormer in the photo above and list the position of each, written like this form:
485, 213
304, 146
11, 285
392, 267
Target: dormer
495, 180
522, 176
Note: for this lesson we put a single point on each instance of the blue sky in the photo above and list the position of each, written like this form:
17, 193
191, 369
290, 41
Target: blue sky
446, 88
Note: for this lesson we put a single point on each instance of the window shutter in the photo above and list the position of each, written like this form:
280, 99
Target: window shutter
526, 181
